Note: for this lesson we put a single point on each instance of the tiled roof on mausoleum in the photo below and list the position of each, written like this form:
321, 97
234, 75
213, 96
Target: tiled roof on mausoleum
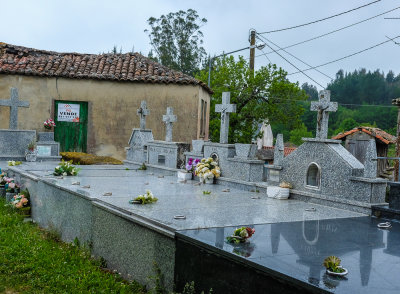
375, 132
130, 67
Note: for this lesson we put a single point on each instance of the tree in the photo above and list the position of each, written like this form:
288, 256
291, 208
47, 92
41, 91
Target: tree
266, 95
176, 39
298, 133
311, 91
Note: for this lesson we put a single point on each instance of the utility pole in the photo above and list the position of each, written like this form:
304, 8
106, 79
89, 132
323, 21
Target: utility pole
396, 162
252, 49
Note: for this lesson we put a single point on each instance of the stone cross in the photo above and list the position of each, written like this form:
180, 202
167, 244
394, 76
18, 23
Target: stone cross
323, 106
169, 119
14, 103
143, 111
225, 108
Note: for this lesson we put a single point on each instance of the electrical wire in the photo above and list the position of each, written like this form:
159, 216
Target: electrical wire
329, 77
347, 56
393, 41
295, 67
322, 19
334, 31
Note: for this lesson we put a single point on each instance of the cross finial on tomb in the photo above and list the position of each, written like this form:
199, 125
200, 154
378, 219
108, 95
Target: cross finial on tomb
225, 108
323, 106
169, 119
14, 103
143, 111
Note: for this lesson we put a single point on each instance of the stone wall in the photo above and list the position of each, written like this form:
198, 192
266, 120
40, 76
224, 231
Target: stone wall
112, 108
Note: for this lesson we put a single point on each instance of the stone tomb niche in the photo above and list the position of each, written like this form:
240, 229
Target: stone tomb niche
313, 178
323, 170
168, 154
137, 150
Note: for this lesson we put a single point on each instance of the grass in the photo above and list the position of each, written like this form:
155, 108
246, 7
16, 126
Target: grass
35, 261
89, 159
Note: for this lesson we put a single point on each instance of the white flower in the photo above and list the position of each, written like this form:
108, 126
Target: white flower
64, 173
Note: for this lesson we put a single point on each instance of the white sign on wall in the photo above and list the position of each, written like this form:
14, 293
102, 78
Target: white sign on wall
68, 112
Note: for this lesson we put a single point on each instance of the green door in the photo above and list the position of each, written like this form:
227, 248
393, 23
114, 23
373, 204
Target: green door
71, 119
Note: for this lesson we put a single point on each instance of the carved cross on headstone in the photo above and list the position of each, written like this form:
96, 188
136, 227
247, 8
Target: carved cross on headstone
169, 119
14, 103
143, 112
323, 106
225, 108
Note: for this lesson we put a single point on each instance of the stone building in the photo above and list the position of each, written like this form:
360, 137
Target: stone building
104, 92
356, 142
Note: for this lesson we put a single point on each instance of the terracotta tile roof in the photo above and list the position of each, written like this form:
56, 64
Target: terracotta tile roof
131, 67
375, 132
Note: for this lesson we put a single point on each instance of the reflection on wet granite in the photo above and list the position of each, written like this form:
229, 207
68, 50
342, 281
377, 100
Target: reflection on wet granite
295, 252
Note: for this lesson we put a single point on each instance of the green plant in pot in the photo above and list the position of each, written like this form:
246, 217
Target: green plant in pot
333, 267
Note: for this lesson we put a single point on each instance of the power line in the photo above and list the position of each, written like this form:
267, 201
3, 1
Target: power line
393, 41
334, 31
295, 67
343, 104
339, 59
295, 57
319, 20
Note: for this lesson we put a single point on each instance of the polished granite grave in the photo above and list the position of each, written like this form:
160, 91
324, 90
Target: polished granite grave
201, 211
287, 257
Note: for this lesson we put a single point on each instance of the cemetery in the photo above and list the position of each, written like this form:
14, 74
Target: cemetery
289, 216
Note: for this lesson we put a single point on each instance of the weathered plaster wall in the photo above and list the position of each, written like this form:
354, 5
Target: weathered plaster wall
112, 108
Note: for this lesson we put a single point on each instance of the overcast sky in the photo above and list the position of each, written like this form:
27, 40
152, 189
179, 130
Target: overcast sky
93, 26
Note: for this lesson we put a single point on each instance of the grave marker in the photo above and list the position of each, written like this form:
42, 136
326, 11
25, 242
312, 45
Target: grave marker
14, 103
323, 106
169, 119
143, 111
225, 108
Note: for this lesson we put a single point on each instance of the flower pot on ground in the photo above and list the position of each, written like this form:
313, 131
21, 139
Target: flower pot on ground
31, 155
284, 190
184, 175
209, 181
245, 150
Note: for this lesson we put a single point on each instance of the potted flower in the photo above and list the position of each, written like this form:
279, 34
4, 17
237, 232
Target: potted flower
12, 188
146, 198
333, 267
284, 190
31, 153
49, 124
21, 203
207, 170
188, 172
241, 235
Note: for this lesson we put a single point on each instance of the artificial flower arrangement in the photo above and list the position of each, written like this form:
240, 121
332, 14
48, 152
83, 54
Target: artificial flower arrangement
207, 168
48, 124
11, 186
241, 235
332, 265
32, 146
3, 178
20, 200
286, 185
191, 165
66, 169
146, 198
13, 163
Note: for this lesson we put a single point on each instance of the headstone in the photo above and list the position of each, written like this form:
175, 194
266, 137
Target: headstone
167, 154
169, 119
137, 150
14, 103
279, 150
47, 148
225, 108
370, 167
394, 195
143, 112
323, 106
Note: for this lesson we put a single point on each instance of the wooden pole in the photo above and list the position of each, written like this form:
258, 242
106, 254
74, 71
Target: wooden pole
396, 163
252, 49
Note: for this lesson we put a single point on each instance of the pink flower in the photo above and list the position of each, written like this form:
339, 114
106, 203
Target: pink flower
11, 185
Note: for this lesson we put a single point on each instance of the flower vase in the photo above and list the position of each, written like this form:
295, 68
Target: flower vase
283, 193
209, 181
31, 155
184, 175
